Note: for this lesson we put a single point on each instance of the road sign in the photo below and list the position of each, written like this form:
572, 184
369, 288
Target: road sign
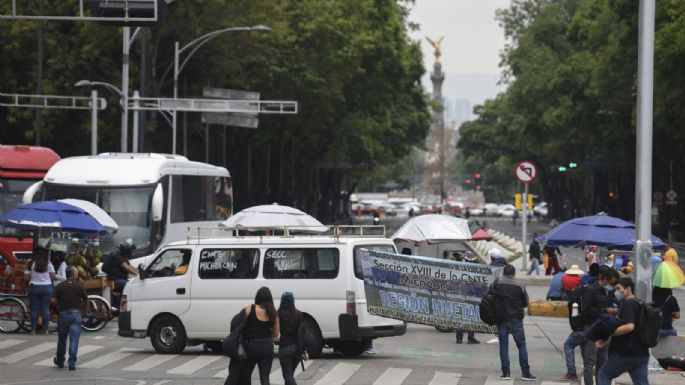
248, 120
671, 195
526, 171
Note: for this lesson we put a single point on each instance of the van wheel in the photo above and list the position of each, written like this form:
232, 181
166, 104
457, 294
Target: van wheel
168, 335
353, 348
318, 343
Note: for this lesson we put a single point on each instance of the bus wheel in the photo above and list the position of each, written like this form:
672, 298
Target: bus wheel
353, 348
168, 335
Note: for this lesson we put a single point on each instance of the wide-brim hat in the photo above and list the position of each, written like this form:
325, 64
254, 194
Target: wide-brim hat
574, 270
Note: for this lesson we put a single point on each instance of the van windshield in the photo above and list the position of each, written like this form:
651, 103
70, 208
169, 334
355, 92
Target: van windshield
128, 206
358, 272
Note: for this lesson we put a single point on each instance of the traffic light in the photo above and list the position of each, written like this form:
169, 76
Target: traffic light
477, 187
123, 9
478, 175
572, 165
562, 168
468, 181
611, 194
530, 201
517, 201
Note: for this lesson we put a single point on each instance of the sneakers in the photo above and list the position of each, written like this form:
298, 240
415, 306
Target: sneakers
505, 376
528, 377
473, 342
459, 341
72, 367
569, 377
371, 351
57, 364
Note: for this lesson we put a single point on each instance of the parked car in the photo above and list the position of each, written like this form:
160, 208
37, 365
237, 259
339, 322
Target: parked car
541, 209
490, 209
476, 211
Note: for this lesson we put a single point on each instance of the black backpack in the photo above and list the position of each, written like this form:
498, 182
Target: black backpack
488, 308
649, 324
576, 296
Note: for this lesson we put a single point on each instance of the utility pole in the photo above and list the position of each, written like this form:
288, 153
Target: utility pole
643, 181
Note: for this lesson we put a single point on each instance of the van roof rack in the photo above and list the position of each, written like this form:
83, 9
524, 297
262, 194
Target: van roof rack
326, 231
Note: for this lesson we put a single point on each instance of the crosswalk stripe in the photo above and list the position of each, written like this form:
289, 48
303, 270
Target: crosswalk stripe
497, 381
110, 358
392, 376
445, 378
151, 362
9, 343
223, 373
82, 350
194, 365
276, 377
339, 374
553, 383
26, 353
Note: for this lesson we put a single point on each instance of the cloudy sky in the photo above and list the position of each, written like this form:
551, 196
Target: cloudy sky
471, 47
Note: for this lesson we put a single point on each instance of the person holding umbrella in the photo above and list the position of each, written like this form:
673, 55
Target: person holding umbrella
667, 276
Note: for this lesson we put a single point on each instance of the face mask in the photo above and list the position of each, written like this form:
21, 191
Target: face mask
608, 288
619, 295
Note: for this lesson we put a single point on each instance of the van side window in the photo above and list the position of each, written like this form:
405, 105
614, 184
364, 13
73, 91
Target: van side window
229, 263
169, 262
358, 272
301, 263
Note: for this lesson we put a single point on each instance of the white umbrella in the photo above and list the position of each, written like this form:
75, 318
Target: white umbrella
273, 216
433, 228
95, 211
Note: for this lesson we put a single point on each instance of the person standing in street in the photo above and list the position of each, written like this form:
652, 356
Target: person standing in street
71, 300
513, 298
626, 353
664, 299
289, 353
41, 273
597, 299
534, 254
553, 253
261, 328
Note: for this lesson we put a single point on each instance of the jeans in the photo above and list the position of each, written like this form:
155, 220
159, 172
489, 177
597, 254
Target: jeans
574, 339
663, 333
534, 266
593, 360
515, 327
39, 299
618, 364
471, 335
68, 324
289, 357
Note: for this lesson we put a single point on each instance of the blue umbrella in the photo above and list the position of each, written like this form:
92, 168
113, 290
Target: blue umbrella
52, 215
600, 230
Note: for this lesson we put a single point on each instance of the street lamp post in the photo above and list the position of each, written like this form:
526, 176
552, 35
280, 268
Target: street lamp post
199, 42
94, 95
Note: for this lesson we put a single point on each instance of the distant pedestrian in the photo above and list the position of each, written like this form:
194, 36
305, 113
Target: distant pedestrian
261, 328
512, 296
41, 274
289, 352
71, 301
597, 300
471, 337
534, 255
556, 291
591, 276
552, 254
626, 352
670, 309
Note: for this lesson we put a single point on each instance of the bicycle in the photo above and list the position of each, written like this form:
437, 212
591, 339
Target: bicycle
15, 313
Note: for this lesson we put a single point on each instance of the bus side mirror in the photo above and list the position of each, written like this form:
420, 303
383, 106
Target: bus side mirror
30, 192
157, 203
141, 271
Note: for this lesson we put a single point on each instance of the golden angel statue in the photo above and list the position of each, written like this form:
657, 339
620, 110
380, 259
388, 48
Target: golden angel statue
436, 46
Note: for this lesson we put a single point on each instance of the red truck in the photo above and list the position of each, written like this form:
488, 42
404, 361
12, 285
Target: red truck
20, 167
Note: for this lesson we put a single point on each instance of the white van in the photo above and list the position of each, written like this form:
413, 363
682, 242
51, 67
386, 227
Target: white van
177, 308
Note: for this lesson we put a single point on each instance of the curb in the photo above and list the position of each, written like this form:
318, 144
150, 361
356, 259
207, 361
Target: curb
558, 309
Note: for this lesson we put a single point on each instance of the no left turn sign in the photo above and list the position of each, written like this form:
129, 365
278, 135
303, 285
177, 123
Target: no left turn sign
526, 171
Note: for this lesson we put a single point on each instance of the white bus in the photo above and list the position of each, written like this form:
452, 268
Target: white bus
154, 198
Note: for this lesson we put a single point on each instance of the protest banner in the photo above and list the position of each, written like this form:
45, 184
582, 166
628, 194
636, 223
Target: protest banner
427, 291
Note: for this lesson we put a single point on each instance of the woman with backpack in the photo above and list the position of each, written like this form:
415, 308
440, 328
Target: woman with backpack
289, 351
41, 274
261, 328
663, 298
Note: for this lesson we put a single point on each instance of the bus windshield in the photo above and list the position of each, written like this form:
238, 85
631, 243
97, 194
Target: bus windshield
128, 206
11, 192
